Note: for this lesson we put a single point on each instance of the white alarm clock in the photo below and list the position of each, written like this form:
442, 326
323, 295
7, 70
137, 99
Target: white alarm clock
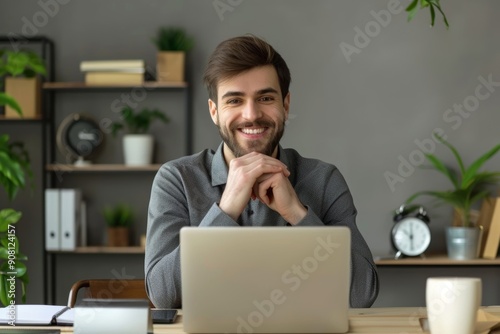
410, 235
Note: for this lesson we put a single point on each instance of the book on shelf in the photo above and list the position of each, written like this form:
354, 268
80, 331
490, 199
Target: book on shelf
489, 219
130, 66
114, 78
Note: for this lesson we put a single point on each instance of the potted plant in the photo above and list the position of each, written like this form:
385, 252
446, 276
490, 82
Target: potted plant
138, 144
470, 185
14, 167
22, 84
118, 219
172, 44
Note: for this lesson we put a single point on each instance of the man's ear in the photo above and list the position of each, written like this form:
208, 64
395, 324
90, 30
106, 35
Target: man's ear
286, 105
212, 107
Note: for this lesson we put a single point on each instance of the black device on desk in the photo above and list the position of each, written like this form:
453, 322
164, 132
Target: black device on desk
163, 316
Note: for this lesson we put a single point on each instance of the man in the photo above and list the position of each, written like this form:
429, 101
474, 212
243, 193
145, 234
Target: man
250, 180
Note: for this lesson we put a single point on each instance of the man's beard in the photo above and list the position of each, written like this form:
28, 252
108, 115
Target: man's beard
254, 146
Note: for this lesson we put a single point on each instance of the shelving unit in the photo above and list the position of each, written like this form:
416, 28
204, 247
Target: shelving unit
106, 179
33, 221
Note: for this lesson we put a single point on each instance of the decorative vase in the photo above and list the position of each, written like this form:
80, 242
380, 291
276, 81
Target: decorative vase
138, 149
170, 66
463, 243
26, 91
118, 236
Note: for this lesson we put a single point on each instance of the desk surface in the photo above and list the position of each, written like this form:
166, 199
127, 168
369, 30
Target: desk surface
367, 321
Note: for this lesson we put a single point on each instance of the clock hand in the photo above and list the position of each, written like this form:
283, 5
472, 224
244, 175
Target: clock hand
411, 235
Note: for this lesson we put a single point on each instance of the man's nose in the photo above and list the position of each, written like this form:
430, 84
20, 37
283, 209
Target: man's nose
251, 111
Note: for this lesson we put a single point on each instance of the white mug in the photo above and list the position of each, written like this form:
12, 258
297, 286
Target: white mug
452, 304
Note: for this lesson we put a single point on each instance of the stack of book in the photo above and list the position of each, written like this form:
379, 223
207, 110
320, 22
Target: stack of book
113, 72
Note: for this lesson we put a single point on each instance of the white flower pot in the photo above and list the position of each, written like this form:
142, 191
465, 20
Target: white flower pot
138, 149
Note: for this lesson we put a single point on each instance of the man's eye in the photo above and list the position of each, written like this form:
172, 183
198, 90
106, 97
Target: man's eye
266, 99
232, 101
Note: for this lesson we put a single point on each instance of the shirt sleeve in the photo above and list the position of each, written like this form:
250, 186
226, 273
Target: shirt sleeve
168, 212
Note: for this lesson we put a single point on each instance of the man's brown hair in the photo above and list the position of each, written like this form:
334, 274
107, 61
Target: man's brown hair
239, 54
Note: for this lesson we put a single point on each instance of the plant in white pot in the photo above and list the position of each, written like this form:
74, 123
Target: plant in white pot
470, 185
172, 44
137, 143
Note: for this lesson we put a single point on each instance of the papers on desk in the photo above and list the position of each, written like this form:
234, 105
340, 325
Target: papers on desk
35, 314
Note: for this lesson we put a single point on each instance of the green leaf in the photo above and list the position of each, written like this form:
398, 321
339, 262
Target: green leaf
470, 173
412, 9
8, 100
8, 217
453, 150
433, 15
441, 167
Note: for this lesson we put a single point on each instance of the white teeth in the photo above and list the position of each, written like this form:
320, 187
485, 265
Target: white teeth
252, 131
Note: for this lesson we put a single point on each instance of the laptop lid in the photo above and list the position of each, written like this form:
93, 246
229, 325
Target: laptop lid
265, 279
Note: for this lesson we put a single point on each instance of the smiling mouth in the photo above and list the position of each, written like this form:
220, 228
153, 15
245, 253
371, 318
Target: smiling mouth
249, 131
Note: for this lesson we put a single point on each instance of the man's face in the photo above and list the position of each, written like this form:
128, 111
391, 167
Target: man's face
250, 112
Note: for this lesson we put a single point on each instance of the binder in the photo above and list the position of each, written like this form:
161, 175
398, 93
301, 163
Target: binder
70, 217
52, 220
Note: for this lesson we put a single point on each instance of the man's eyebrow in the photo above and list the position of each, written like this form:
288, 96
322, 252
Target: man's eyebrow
267, 91
232, 93
259, 92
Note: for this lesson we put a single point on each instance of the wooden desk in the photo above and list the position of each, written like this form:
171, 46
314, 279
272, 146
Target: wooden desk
367, 321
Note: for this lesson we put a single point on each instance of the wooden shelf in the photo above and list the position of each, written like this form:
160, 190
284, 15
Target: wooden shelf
23, 119
435, 260
105, 250
84, 86
102, 168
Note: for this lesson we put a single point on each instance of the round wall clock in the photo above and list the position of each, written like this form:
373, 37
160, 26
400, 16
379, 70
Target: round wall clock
78, 138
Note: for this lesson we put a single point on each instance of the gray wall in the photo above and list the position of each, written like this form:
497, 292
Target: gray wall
371, 113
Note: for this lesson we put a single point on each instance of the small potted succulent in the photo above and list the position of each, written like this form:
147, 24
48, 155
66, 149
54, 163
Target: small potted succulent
118, 219
137, 143
172, 44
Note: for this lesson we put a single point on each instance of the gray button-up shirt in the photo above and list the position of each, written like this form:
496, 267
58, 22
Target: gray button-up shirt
186, 192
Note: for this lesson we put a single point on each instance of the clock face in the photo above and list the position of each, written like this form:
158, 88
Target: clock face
411, 236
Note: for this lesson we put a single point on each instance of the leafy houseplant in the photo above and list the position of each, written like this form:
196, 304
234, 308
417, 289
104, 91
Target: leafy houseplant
118, 219
138, 144
470, 185
172, 44
14, 166
138, 122
173, 39
20, 69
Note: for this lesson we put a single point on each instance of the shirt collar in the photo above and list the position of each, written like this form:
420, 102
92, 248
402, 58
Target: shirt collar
220, 170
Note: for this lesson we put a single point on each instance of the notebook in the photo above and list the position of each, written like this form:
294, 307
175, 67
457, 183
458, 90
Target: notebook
35, 314
265, 279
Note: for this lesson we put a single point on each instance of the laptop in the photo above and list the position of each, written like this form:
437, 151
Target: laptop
265, 279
